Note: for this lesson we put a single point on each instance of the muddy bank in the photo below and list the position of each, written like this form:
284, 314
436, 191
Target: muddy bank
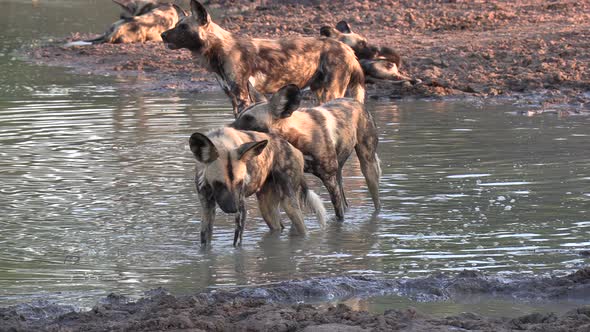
456, 48
280, 307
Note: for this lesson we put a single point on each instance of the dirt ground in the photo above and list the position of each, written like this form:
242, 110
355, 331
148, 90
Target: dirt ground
271, 308
457, 48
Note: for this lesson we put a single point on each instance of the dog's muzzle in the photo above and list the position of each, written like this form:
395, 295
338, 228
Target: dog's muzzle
170, 45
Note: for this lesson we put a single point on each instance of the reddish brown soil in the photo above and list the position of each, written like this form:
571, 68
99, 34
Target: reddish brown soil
455, 47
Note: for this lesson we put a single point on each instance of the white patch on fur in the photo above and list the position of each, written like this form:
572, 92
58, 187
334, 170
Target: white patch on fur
330, 123
317, 206
77, 43
259, 78
205, 153
200, 179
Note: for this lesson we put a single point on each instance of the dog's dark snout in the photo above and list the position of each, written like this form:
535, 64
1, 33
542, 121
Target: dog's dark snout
164, 34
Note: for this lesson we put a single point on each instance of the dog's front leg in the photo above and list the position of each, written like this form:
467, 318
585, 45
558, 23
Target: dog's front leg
227, 87
239, 90
207, 212
240, 222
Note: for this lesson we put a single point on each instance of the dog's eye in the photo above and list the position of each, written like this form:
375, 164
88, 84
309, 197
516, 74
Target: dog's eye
218, 186
363, 43
183, 27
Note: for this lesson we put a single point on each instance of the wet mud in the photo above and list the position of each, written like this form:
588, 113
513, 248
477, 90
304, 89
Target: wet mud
532, 50
294, 306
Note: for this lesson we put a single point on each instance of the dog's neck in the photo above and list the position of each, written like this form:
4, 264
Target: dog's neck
212, 55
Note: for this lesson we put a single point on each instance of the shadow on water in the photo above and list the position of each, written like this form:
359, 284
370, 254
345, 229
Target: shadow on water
97, 188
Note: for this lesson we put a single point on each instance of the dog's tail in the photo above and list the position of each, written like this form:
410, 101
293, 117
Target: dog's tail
378, 166
77, 43
314, 202
356, 85
94, 41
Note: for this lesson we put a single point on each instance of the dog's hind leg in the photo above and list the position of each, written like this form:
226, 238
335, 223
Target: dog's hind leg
268, 202
335, 191
356, 85
371, 169
331, 89
292, 207
341, 185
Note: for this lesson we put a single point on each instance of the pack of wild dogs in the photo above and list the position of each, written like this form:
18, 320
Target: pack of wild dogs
272, 142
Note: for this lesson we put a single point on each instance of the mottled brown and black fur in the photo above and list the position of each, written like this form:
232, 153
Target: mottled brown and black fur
140, 21
327, 134
377, 62
328, 67
236, 164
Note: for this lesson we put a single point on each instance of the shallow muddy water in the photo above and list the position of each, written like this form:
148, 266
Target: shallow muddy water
97, 190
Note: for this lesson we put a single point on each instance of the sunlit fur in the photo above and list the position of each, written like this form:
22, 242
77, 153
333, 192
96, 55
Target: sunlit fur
235, 164
377, 62
327, 134
328, 67
141, 21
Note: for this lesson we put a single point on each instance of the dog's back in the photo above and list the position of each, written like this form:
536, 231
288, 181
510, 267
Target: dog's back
140, 21
325, 65
147, 26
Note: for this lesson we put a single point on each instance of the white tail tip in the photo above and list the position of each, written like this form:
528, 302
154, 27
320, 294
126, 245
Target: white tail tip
315, 203
78, 43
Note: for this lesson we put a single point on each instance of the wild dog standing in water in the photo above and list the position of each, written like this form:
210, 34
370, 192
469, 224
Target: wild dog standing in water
327, 133
140, 21
238, 164
377, 62
326, 66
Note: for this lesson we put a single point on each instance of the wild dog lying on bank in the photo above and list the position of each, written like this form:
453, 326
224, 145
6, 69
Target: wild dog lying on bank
237, 164
140, 21
377, 62
328, 67
327, 134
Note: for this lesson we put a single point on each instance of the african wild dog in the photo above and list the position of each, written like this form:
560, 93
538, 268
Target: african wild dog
238, 164
326, 134
377, 62
140, 21
326, 66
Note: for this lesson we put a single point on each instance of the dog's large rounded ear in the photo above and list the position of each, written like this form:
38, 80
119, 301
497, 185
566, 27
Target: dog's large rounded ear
125, 5
285, 101
200, 13
255, 96
146, 8
327, 31
203, 148
180, 11
250, 150
343, 27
